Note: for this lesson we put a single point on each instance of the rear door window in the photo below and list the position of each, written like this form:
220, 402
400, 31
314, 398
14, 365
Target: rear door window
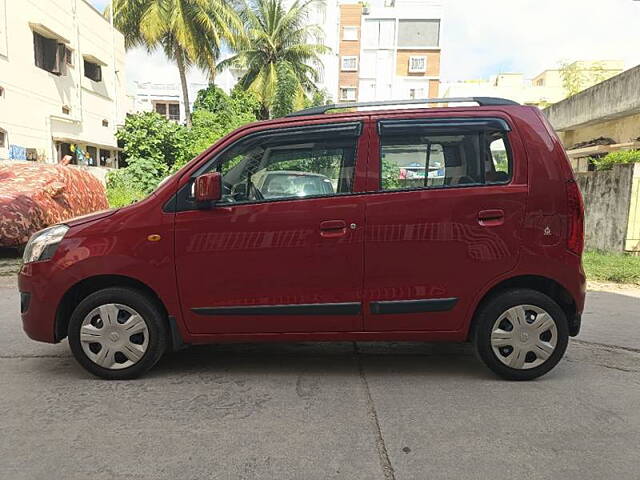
443, 154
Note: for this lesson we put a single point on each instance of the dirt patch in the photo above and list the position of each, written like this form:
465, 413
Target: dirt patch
621, 288
10, 262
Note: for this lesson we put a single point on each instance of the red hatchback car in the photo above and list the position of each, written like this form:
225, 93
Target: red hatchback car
435, 224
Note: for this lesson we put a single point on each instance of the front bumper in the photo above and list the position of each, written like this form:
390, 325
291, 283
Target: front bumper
39, 299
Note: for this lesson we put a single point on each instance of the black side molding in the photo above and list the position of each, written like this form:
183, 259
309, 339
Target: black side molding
413, 306
349, 308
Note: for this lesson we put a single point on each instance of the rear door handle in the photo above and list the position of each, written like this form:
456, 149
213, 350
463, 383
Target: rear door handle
491, 218
333, 228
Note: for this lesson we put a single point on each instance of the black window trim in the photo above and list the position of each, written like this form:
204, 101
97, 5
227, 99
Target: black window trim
180, 202
437, 125
472, 123
338, 127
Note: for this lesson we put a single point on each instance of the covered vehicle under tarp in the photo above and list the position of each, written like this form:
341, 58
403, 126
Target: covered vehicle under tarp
35, 195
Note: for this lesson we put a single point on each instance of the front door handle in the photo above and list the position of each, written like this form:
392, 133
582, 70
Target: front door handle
333, 228
491, 218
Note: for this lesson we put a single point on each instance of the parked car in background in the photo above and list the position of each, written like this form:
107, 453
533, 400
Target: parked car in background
35, 195
279, 184
308, 228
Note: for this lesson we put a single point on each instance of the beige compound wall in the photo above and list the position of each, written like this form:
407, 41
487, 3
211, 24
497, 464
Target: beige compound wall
621, 130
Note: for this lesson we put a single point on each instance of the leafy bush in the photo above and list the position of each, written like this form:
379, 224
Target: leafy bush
154, 147
151, 136
390, 175
209, 127
624, 156
120, 190
121, 196
216, 114
241, 103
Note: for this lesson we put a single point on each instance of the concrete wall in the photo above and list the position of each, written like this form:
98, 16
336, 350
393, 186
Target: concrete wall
614, 98
622, 130
607, 197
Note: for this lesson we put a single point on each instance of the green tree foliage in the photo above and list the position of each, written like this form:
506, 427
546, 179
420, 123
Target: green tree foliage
216, 114
325, 162
239, 103
390, 173
576, 78
608, 161
151, 136
277, 35
190, 32
571, 78
319, 97
121, 190
286, 90
154, 147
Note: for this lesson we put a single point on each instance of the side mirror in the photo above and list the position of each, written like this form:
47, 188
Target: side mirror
209, 187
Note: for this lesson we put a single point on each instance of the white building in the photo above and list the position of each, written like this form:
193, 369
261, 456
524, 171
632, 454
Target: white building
380, 50
542, 90
62, 82
512, 86
164, 98
167, 99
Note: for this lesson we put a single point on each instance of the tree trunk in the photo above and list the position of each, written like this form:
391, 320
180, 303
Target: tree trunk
212, 73
185, 87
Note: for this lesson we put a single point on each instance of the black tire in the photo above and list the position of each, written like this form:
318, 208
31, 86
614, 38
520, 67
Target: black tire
493, 308
152, 316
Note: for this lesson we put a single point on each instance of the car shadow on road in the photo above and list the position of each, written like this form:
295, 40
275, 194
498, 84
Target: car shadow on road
341, 358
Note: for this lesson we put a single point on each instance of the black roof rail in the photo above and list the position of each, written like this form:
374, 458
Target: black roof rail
481, 101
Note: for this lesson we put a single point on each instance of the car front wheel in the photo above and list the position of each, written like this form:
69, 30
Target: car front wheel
117, 333
520, 334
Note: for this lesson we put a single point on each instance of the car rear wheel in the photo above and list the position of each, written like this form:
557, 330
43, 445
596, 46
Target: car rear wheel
520, 334
117, 333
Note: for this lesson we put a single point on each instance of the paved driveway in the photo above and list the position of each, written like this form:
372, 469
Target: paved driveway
317, 411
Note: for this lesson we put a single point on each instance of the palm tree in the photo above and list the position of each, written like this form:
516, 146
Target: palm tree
277, 45
190, 32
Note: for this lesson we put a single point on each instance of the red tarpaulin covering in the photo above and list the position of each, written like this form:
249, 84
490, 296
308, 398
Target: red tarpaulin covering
34, 196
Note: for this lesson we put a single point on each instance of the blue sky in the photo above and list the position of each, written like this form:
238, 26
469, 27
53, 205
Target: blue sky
483, 38
99, 4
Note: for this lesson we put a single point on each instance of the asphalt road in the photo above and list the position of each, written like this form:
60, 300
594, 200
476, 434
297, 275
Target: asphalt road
317, 411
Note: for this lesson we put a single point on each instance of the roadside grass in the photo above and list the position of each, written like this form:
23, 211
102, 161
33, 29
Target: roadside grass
612, 267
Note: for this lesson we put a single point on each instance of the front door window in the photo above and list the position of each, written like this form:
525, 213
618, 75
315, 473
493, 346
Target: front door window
267, 167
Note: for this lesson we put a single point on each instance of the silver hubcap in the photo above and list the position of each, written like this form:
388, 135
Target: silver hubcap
524, 337
114, 336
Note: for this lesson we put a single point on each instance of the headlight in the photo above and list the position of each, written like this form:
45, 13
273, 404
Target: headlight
43, 244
